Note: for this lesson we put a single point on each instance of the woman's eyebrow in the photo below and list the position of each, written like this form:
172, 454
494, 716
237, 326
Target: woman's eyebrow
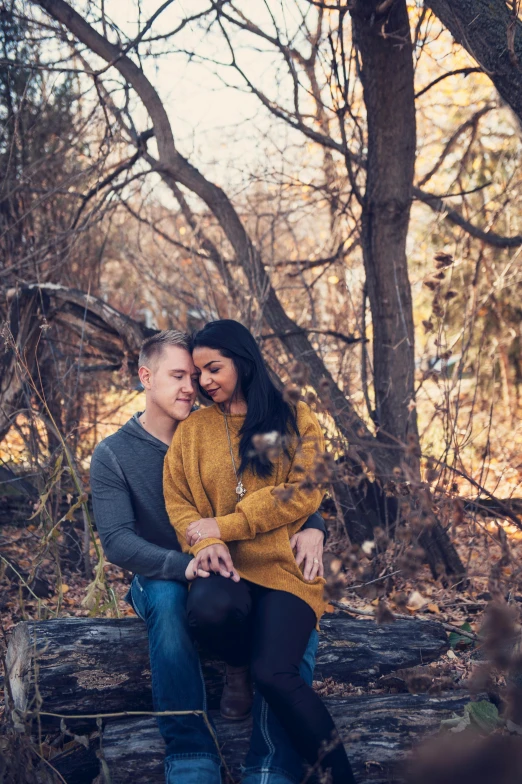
211, 362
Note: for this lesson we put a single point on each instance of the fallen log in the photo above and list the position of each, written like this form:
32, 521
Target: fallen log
378, 732
102, 665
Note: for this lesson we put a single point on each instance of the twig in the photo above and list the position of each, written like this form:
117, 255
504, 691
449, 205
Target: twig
377, 580
57, 772
464, 71
22, 580
304, 330
121, 714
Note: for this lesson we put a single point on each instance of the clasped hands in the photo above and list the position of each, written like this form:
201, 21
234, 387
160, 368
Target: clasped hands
214, 558
308, 546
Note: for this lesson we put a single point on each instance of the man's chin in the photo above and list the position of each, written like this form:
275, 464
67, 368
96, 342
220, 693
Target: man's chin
181, 411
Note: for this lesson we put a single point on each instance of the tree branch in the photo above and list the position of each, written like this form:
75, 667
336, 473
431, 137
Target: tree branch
437, 204
471, 122
456, 72
349, 339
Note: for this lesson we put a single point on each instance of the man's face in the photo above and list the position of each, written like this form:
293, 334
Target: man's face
170, 384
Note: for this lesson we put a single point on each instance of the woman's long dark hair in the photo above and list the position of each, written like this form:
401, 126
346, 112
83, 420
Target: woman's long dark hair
267, 411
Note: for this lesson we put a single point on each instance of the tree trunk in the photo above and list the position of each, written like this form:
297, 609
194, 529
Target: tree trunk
384, 45
492, 34
22, 328
378, 732
102, 665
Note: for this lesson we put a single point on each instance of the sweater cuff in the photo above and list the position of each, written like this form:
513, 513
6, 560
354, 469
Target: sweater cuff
234, 527
194, 550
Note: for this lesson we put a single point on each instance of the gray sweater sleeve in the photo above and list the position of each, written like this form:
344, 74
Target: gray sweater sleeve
115, 522
316, 521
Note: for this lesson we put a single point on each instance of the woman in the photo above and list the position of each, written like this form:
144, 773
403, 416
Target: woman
224, 482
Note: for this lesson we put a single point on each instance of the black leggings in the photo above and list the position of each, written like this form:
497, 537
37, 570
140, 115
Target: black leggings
241, 623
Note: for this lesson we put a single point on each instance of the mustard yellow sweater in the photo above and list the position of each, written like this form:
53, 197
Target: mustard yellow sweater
199, 481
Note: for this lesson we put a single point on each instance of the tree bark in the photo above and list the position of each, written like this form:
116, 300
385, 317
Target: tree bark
384, 45
492, 34
378, 732
102, 665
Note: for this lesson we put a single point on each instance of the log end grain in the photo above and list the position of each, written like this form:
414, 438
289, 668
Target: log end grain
18, 665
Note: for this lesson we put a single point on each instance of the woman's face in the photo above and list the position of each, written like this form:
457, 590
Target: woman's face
217, 374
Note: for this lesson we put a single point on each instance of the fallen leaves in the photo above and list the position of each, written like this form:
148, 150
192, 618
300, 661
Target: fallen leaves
416, 602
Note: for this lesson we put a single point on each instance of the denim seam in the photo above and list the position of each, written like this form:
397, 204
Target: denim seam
269, 743
203, 684
198, 755
153, 669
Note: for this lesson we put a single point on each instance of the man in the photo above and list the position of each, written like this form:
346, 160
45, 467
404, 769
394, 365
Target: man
130, 515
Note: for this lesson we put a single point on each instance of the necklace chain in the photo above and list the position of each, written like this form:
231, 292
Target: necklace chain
240, 488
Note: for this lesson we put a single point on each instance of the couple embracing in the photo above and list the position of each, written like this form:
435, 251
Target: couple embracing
214, 513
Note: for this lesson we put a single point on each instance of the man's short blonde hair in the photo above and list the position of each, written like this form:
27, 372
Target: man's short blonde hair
152, 348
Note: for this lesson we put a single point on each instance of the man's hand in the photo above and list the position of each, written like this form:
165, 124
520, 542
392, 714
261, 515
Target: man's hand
308, 546
206, 528
192, 571
216, 558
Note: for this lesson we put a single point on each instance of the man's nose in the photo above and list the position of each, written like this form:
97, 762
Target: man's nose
188, 386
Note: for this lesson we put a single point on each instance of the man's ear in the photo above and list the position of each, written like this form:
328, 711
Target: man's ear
145, 375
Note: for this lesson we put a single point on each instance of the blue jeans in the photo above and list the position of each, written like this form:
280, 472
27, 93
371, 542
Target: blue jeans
177, 681
177, 684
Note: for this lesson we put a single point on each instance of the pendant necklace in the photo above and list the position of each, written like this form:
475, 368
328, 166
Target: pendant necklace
240, 487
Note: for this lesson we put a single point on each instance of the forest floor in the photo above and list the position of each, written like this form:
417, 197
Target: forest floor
486, 548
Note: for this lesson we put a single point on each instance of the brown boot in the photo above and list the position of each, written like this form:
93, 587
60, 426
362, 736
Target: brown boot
237, 697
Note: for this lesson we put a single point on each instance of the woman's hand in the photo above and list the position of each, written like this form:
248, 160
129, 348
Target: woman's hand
206, 528
308, 546
194, 570
216, 558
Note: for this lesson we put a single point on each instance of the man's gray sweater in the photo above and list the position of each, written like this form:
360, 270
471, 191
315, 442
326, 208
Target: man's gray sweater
129, 509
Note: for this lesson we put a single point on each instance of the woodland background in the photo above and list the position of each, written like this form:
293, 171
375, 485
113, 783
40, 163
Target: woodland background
344, 178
